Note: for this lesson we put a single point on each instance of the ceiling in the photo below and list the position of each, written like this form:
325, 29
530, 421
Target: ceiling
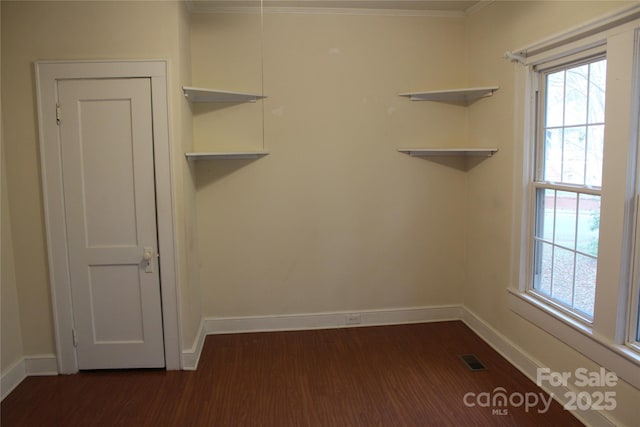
436, 7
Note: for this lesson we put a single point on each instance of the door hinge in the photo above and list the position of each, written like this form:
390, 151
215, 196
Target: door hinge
58, 114
75, 338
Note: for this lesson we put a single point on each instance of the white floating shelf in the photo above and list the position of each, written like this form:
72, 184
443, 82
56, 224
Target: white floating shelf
466, 95
461, 152
196, 94
226, 155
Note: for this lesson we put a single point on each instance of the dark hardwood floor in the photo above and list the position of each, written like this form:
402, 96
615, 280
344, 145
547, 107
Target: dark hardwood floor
407, 375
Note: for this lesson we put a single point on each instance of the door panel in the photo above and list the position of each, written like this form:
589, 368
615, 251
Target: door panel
110, 286
107, 156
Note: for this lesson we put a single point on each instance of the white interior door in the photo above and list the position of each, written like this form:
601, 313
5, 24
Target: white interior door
109, 196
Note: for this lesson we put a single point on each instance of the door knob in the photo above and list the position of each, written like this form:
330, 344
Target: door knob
147, 256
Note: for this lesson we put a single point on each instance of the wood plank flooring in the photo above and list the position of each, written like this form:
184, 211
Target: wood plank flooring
406, 375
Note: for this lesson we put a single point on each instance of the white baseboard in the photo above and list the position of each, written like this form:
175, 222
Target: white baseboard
12, 377
295, 322
191, 357
41, 365
528, 365
36, 365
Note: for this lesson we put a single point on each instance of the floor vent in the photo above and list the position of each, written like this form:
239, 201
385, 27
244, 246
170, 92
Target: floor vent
472, 362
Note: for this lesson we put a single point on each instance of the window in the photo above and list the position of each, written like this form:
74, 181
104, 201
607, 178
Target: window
576, 230
568, 182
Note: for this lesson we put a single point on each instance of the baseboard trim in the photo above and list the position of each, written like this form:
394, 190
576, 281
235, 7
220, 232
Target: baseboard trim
528, 365
41, 365
36, 365
191, 357
12, 377
333, 320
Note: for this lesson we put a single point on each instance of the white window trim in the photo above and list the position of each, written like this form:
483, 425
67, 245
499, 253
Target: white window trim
606, 340
634, 301
632, 338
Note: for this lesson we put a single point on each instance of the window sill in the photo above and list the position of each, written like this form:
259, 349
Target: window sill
617, 358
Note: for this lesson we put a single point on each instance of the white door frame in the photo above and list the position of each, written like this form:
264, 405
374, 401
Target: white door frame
47, 74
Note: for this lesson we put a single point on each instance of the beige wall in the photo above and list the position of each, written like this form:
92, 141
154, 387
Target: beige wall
11, 345
190, 304
10, 333
334, 218
81, 30
499, 27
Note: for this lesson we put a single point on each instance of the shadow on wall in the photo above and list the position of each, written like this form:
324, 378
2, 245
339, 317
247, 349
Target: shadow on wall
199, 108
210, 171
461, 163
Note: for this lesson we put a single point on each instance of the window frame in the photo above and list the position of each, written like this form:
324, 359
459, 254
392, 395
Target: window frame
540, 72
633, 321
633, 325
606, 340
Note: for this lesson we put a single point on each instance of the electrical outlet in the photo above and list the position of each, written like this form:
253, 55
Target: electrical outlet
353, 319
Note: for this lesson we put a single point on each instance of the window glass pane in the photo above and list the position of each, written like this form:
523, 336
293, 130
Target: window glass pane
577, 82
546, 213
555, 99
562, 281
597, 86
544, 267
595, 140
567, 220
553, 155
585, 291
573, 156
588, 224
566, 215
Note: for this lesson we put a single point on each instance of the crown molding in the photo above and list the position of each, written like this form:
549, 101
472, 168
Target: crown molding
204, 7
